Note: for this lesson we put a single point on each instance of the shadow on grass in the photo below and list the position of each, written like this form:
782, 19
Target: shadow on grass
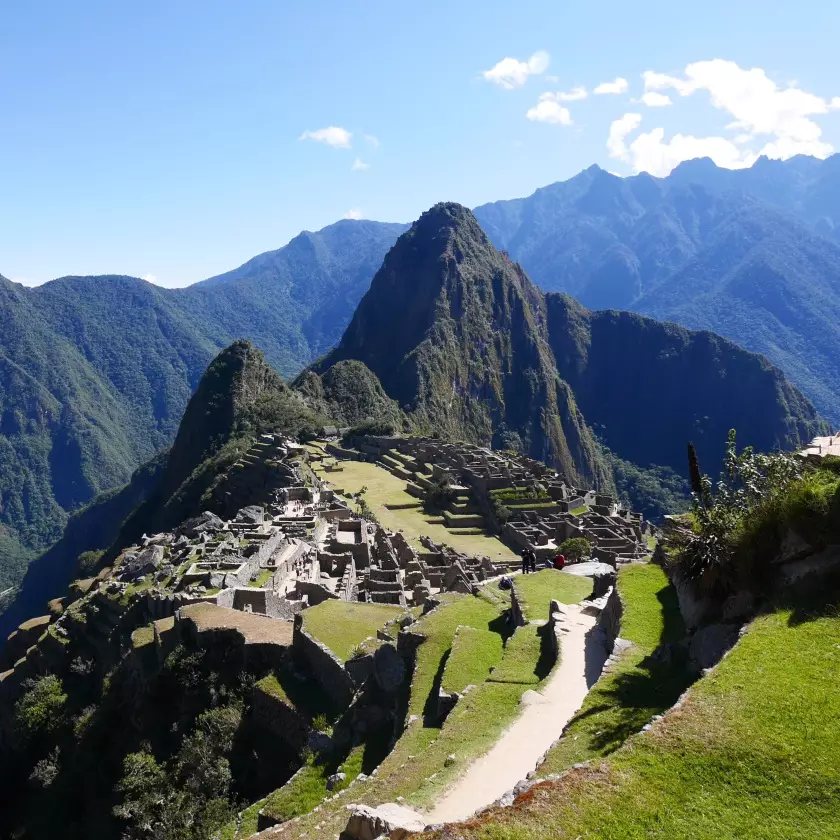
503, 625
546, 661
809, 601
431, 718
629, 700
673, 626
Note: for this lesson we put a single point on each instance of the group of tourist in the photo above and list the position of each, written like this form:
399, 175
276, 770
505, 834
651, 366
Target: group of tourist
529, 561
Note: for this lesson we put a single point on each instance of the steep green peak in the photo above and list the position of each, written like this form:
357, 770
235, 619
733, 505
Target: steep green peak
233, 385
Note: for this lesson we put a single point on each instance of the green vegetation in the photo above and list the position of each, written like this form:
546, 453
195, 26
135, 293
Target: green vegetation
262, 578
536, 591
342, 625
753, 752
474, 652
351, 396
653, 491
637, 686
527, 658
736, 527
575, 549
439, 495
40, 712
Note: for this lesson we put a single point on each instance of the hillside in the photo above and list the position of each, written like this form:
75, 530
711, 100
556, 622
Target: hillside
751, 254
238, 397
95, 372
470, 348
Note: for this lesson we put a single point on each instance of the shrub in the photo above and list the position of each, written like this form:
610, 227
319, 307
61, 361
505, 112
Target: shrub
575, 549
40, 712
87, 563
377, 428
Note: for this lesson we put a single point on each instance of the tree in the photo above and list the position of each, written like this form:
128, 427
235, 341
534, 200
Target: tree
695, 476
40, 713
575, 549
439, 495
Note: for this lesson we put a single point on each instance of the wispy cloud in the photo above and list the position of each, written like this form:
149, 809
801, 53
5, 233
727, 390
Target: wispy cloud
333, 135
354, 213
359, 165
372, 140
150, 278
511, 73
656, 100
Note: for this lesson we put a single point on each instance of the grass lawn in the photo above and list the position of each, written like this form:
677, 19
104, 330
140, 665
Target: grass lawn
535, 591
384, 488
474, 653
262, 578
754, 752
341, 625
636, 688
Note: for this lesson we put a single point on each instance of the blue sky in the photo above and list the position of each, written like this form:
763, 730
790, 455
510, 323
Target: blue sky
175, 140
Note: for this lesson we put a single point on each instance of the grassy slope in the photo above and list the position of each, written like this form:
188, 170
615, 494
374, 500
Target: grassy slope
754, 751
341, 625
474, 653
537, 590
385, 488
635, 688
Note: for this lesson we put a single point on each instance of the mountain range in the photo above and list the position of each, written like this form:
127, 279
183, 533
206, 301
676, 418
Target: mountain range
453, 339
95, 372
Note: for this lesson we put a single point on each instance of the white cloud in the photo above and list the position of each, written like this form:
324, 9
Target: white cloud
150, 278
758, 106
549, 110
618, 86
359, 165
574, 95
333, 135
649, 153
372, 140
354, 213
511, 73
656, 100
619, 130
26, 281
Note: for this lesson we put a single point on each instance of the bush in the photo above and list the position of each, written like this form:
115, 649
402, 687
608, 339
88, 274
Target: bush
574, 550
734, 528
87, 563
377, 428
40, 712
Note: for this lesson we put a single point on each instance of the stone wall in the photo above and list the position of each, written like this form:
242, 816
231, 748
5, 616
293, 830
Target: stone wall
326, 667
271, 712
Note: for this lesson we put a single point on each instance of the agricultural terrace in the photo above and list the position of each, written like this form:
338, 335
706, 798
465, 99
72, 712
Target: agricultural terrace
535, 591
342, 625
385, 490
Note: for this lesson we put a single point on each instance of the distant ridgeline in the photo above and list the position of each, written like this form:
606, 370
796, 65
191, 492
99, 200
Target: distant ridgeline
453, 339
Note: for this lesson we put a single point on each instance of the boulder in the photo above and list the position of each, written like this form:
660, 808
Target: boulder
335, 779
710, 643
810, 572
251, 515
741, 605
319, 742
792, 548
389, 820
388, 668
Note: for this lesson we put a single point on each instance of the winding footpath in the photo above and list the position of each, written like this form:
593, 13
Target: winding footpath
541, 722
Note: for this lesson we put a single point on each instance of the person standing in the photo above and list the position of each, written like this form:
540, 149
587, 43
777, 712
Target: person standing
526, 561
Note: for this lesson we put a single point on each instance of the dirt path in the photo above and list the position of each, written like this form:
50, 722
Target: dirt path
544, 715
